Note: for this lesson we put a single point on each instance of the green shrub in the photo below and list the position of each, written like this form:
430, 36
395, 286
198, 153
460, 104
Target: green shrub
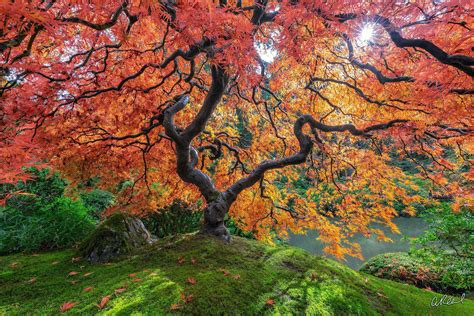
41, 218
448, 243
96, 201
405, 268
401, 267
179, 217
173, 219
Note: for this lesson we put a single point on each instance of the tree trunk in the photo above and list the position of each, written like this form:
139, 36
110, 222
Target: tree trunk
214, 214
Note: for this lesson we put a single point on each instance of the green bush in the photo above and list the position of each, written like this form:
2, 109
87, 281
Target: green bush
96, 201
448, 244
173, 219
41, 218
401, 267
179, 218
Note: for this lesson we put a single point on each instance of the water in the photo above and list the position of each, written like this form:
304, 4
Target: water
408, 226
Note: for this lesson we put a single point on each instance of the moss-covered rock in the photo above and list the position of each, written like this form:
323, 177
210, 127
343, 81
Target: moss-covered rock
118, 235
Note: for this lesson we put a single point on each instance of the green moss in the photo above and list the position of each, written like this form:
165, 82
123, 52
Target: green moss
231, 278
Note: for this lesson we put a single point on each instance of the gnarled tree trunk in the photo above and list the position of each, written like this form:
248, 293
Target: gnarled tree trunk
214, 214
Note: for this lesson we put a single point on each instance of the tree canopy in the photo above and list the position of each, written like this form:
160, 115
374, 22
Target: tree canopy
238, 102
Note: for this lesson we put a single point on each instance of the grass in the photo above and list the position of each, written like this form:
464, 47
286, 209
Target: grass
244, 277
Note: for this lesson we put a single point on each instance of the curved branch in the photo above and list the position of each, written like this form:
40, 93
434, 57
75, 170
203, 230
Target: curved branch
461, 62
186, 155
95, 26
213, 97
306, 145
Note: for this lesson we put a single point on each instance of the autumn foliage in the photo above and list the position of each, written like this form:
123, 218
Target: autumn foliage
186, 98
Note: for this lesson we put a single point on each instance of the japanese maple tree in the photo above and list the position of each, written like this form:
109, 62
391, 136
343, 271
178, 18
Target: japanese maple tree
234, 102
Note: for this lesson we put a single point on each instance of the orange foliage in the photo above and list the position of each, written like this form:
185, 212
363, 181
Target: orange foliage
84, 85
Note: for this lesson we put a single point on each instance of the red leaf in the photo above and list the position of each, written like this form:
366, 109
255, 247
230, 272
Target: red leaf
132, 275
120, 290
136, 280
175, 307
67, 306
72, 273
87, 289
237, 276
189, 298
226, 273
193, 261
87, 274
103, 302
181, 260
191, 281
270, 302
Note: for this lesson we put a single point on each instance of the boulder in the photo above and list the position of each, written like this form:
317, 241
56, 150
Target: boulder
118, 235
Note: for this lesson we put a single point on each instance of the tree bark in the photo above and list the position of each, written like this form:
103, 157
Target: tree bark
214, 214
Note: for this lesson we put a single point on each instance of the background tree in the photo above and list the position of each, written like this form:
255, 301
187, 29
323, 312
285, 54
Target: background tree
145, 90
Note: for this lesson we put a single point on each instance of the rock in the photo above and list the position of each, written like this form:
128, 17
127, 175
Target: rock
118, 235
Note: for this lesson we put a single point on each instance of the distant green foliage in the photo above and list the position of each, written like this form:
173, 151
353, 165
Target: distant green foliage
245, 135
447, 243
235, 230
179, 217
41, 217
173, 219
96, 201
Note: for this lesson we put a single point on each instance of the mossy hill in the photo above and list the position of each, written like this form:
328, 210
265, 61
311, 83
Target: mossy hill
198, 275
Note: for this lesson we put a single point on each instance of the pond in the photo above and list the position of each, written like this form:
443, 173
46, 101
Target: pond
408, 226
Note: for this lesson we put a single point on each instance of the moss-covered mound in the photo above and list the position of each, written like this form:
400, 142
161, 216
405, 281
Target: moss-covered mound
198, 275
401, 267
118, 235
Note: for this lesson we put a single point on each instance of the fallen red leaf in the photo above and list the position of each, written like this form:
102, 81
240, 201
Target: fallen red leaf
191, 281
189, 298
193, 261
87, 289
175, 307
132, 275
103, 302
73, 282
226, 273
237, 276
186, 298
181, 260
136, 280
72, 273
87, 274
67, 306
120, 290
270, 302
